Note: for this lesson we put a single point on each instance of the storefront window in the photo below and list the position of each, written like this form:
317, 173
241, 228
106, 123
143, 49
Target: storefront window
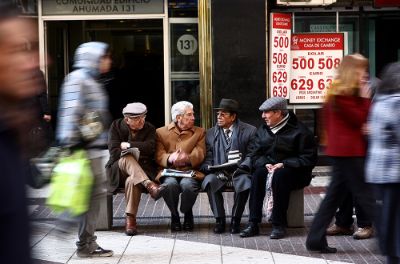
27, 7
182, 8
327, 23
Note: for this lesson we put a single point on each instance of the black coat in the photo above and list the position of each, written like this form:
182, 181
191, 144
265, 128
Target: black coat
293, 145
145, 141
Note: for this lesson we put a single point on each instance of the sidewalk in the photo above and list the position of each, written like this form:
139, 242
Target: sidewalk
155, 243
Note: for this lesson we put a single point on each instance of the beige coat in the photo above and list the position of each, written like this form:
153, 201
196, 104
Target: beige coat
192, 141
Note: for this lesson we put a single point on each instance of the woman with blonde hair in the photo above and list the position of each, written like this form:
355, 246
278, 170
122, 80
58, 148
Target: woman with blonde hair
345, 113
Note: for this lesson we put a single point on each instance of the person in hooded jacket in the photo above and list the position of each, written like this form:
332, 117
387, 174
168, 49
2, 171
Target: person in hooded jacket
383, 161
83, 93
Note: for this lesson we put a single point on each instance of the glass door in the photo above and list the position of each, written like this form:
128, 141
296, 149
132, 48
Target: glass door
184, 62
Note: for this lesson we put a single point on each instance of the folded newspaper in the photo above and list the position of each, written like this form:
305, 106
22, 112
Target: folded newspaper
178, 173
234, 157
135, 152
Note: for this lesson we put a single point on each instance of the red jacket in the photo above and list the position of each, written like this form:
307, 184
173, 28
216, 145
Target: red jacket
344, 117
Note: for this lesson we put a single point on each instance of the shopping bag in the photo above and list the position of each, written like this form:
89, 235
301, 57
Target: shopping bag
71, 184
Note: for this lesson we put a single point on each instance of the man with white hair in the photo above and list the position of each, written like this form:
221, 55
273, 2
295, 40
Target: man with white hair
181, 146
132, 133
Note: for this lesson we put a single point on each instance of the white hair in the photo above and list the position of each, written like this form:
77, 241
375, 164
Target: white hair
179, 108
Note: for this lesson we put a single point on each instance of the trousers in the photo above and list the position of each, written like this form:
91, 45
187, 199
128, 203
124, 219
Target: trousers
133, 175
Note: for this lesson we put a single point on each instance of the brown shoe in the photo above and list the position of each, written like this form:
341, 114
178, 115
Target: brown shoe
130, 225
363, 232
155, 190
335, 230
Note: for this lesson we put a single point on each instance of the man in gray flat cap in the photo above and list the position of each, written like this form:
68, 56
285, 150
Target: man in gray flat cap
131, 138
227, 142
285, 148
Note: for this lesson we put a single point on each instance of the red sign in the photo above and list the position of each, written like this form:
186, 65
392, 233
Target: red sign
314, 59
386, 3
279, 78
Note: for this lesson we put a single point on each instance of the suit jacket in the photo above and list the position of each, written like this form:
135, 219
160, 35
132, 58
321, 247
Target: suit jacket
192, 141
144, 140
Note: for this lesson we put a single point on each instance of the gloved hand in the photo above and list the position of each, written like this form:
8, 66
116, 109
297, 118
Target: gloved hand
221, 176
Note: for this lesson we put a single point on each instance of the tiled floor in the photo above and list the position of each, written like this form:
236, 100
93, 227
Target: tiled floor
156, 244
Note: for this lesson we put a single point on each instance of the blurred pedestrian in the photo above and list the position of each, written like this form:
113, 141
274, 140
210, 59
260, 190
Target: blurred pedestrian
18, 83
345, 115
383, 161
83, 95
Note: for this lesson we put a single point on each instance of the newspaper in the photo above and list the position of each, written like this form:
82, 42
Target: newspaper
135, 152
178, 173
234, 157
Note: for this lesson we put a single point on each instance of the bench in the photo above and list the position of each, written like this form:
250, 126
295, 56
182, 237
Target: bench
295, 214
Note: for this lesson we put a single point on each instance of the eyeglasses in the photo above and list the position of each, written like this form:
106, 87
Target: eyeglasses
136, 118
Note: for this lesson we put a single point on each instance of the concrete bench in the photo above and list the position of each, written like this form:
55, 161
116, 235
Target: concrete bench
295, 214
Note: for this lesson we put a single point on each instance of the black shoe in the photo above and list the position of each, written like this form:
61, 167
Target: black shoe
188, 222
176, 224
278, 232
235, 226
251, 230
326, 249
219, 226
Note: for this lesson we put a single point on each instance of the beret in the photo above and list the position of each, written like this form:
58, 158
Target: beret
274, 103
134, 109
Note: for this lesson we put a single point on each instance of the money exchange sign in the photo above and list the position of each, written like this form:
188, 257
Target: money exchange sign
314, 59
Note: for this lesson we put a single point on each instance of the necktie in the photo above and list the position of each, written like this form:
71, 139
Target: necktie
227, 137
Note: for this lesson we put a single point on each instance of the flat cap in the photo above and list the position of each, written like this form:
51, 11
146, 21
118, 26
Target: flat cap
274, 103
229, 105
134, 109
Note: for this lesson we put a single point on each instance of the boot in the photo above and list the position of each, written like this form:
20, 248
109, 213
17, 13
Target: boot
155, 190
130, 225
235, 225
219, 225
188, 222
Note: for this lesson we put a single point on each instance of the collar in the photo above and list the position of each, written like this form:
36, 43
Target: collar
173, 126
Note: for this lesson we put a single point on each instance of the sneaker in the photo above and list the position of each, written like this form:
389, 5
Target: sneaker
335, 230
99, 252
363, 232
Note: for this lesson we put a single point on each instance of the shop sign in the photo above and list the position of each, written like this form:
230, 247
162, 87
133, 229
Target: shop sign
101, 7
279, 78
315, 57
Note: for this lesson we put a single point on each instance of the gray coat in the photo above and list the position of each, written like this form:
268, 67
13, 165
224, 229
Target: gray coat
217, 150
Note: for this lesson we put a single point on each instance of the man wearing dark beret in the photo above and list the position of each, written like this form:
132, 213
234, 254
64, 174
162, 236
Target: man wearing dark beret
285, 148
228, 142
132, 135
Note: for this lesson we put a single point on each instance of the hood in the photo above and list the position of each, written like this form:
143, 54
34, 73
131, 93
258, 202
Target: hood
88, 55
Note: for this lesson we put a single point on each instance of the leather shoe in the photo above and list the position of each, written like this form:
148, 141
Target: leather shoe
188, 223
176, 224
130, 225
155, 190
251, 230
235, 226
326, 249
277, 232
219, 226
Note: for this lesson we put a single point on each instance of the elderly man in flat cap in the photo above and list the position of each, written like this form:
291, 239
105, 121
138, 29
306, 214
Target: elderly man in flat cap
181, 146
285, 148
132, 133
227, 142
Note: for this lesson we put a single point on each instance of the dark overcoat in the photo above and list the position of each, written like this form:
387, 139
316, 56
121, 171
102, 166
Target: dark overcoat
144, 140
